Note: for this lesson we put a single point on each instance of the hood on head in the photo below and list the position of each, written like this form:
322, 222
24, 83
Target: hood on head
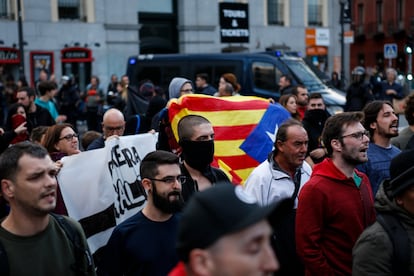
175, 87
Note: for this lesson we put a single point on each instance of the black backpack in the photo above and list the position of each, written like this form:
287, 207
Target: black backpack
81, 253
400, 242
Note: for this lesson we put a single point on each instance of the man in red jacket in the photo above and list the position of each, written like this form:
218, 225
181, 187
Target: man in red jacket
336, 205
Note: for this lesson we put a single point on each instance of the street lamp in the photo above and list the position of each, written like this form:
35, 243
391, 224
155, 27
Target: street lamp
20, 31
342, 22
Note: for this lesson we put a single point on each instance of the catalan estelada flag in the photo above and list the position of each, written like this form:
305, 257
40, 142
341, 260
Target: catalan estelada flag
245, 128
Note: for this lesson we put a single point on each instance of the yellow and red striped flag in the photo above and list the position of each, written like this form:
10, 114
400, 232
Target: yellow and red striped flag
244, 128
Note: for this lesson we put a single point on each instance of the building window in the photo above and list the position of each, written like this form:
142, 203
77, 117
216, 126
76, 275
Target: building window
275, 10
360, 16
7, 9
314, 12
70, 9
399, 10
379, 12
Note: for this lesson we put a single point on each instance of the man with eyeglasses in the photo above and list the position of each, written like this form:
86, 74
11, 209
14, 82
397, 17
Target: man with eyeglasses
113, 125
196, 138
314, 121
336, 204
145, 243
382, 124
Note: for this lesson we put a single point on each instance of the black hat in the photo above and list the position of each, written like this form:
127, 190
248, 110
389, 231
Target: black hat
402, 172
216, 212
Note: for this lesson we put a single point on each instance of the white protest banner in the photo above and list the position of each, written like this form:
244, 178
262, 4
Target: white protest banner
101, 187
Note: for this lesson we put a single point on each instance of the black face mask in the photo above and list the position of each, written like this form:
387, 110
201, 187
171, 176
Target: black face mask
198, 154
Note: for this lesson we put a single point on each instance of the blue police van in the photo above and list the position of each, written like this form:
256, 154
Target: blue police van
257, 73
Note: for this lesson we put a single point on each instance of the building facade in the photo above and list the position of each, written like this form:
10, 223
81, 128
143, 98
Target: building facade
380, 23
95, 37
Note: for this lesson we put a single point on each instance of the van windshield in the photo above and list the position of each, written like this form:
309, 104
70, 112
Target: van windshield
304, 75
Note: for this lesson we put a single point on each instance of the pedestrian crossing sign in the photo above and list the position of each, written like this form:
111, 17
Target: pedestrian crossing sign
390, 50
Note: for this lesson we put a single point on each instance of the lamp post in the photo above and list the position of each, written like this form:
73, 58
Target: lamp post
20, 31
342, 22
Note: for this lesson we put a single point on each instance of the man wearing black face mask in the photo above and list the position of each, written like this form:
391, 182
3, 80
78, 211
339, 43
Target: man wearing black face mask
314, 121
196, 138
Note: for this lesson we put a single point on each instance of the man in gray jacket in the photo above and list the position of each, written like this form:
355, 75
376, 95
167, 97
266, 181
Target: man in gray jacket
374, 253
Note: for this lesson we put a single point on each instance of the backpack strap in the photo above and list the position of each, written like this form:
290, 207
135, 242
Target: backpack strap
81, 253
400, 242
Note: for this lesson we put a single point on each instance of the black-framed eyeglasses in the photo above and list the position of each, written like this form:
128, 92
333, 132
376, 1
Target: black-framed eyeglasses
357, 135
69, 137
171, 179
118, 128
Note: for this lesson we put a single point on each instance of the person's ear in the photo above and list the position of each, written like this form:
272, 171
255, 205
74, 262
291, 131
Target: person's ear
7, 188
336, 145
279, 145
146, 184
200, 262
373, 125
399, 201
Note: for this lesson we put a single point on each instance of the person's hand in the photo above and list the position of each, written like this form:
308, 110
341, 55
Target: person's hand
21, 128
317, 153
58, 166
61, 119
111, 137
271, 100
152, 131
391, 92
1, 131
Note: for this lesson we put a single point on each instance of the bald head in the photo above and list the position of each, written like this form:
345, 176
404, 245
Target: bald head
113, 123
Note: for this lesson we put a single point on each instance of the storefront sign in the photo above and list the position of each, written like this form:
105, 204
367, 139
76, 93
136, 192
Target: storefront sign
9, 55
76, 54
234, 22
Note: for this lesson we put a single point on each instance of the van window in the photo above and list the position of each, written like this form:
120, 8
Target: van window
265, 75
159, 74
217, 68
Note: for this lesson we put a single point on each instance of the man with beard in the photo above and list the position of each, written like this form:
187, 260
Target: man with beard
382, 123
302, 95
285, 84
196, 138
36, 115
313, 122
336, 204
281, 177
144, 244
33, 242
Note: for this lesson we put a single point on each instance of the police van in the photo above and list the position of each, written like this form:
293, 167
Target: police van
257, 73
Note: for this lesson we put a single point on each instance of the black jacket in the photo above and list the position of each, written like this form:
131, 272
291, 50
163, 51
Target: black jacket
190, 186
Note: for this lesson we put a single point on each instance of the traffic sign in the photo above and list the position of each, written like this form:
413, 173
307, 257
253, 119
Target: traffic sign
390, 50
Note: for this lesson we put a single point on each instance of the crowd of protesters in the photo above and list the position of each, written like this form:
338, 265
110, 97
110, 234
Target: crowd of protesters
316, 206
